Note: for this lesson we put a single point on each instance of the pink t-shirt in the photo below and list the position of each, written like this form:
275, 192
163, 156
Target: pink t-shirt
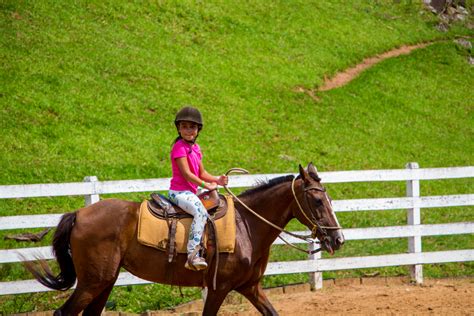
194, 156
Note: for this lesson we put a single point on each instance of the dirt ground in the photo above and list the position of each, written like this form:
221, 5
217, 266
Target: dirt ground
367, 296
358, 297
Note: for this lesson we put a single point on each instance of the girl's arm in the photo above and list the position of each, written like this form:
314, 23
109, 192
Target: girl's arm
221, 180
209, 182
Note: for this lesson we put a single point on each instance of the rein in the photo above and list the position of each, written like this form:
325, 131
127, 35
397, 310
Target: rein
306, 238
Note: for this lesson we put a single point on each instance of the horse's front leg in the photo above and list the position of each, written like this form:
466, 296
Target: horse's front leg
254, 293
213, 301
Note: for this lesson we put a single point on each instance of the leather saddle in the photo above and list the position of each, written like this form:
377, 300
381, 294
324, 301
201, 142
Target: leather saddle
162, 208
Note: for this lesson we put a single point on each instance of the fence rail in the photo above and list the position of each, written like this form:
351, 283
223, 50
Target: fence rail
413, 202
51, 220
148, 185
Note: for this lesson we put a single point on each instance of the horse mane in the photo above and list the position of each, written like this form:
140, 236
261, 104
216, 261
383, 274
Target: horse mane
263, 185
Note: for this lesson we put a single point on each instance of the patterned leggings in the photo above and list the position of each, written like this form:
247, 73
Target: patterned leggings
190, 203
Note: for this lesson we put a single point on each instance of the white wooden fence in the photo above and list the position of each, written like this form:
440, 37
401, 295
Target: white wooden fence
91, 188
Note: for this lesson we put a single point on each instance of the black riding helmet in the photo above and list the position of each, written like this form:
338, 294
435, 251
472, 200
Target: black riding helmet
188, 113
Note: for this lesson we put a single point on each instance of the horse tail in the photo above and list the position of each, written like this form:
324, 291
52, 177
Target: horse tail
67, 277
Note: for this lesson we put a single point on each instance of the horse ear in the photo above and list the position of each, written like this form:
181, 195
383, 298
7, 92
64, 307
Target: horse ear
312, 169
303, 173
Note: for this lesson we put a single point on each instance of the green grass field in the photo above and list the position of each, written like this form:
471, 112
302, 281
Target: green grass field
91, 88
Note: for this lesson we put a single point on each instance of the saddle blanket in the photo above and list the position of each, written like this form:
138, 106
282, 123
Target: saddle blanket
153, 231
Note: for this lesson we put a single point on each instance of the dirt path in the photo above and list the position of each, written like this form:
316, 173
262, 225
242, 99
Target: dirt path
344, 77
350, 297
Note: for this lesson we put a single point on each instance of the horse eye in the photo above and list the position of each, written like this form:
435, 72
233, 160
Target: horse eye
318, 202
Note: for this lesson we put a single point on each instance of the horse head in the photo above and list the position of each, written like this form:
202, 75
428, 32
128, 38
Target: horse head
315, 210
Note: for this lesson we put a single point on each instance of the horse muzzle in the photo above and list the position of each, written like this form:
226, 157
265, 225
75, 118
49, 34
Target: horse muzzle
333, 242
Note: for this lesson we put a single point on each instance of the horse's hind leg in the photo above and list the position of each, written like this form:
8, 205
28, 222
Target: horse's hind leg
80, 298
97, 305
87, 298
257, 297
93, 289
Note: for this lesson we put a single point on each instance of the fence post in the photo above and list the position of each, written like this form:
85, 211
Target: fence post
414, 218
92, 198
315, 278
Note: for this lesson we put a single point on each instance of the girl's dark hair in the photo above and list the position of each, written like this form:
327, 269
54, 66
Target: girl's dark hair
176, 140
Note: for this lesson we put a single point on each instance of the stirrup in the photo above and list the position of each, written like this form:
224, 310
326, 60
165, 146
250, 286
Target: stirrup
195, 262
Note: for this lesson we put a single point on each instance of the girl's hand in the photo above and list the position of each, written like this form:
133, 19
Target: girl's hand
223, 180
210, 186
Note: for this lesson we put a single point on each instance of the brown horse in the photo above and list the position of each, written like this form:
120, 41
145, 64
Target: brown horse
93, 243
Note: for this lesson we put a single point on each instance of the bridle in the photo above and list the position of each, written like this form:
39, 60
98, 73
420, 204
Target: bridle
313, 221
316, 225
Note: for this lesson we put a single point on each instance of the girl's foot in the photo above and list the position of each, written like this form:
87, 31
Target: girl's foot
196, 264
